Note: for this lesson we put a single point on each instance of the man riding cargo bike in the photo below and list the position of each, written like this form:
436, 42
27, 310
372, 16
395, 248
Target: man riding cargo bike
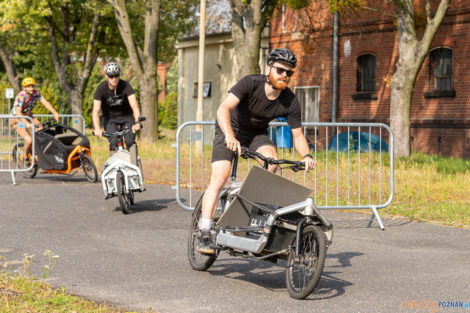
265, 217
243, 119
122, 174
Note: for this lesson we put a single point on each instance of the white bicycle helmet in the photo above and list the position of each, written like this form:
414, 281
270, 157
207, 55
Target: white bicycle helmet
112, 68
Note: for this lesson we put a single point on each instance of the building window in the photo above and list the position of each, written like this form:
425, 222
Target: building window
440, 69
308, 99
440, 73
365, 73
365, 78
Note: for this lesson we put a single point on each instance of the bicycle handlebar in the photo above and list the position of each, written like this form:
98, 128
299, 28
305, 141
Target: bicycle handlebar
118, 133
295, 165
126, 129
48, 123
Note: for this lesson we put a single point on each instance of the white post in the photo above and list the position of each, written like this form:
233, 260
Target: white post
200, 83
9, 94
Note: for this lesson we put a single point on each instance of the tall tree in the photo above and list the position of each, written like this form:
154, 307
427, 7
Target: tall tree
150, 40
11, 35
63, 24
412, 51
68, 30
6, 55
248, 21
144, 61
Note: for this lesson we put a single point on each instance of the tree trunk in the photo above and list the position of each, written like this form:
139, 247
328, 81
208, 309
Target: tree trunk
402, 93
412, 53
148, 97
248, 21
76, 103
11, 70
144, 63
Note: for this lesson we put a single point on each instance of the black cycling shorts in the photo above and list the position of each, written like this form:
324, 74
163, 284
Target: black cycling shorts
221, 152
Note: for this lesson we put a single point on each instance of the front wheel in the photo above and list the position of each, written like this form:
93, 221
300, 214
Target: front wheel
123, 196
17, 154
303, 272
89, 168
131, 197
198, 261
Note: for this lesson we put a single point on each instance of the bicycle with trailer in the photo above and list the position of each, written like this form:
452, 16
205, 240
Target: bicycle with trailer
267, 217
122, 173
59, 149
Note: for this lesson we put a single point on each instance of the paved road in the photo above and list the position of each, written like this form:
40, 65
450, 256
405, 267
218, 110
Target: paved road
138, 261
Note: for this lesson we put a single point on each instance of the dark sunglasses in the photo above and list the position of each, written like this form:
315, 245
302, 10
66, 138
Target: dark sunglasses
113, 76
280, 71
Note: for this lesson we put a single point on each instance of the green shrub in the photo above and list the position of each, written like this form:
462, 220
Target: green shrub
171, 111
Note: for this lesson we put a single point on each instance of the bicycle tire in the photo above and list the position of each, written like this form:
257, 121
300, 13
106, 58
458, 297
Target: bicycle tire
303, 274
121, 193
89, 168
131, 197
17, 153
197, 260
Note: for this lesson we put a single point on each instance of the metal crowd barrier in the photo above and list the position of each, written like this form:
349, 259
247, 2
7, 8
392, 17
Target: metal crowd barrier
12, 146
10, 139
73, 120
354, 163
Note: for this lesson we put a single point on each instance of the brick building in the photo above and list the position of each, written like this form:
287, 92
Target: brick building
367, 53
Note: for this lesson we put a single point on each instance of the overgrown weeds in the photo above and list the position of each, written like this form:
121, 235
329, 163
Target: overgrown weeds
20, 291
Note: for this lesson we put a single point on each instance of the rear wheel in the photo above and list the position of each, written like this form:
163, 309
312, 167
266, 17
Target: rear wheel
303, 273
17, 154
89, 168
123, 196
198, 261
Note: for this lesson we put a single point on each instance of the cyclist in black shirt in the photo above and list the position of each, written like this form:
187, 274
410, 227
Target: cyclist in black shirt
243, 119
116, 98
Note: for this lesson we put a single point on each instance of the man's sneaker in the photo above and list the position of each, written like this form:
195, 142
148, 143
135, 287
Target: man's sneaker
204, 246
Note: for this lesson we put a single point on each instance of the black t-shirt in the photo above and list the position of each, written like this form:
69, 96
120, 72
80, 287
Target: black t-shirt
255, 110
114, 103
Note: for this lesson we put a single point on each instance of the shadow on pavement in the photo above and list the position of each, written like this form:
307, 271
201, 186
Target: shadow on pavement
272, 276
153, 205
262, 273
79, 177
361, 222
329, 287
344, 258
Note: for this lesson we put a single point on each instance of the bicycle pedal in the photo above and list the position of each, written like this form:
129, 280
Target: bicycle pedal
213, 246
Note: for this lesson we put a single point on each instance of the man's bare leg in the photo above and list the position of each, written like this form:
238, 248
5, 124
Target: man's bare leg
219, 176
268, 151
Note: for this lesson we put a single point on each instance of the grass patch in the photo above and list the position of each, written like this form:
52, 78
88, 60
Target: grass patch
22, 292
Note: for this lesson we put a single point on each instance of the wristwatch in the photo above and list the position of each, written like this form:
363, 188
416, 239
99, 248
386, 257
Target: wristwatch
308, 155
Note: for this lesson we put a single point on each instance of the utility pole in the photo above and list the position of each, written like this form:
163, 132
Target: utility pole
200, 83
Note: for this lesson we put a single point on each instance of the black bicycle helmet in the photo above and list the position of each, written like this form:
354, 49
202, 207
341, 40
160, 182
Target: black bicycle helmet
282, 55
112, 68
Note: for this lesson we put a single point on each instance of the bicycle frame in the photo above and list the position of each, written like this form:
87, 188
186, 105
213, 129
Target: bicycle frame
121, 162
227, 237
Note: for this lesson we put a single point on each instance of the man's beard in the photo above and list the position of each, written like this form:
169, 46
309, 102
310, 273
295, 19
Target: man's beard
278, 84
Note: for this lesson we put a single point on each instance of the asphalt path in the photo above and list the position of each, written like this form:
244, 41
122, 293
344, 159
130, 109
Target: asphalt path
138, 261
